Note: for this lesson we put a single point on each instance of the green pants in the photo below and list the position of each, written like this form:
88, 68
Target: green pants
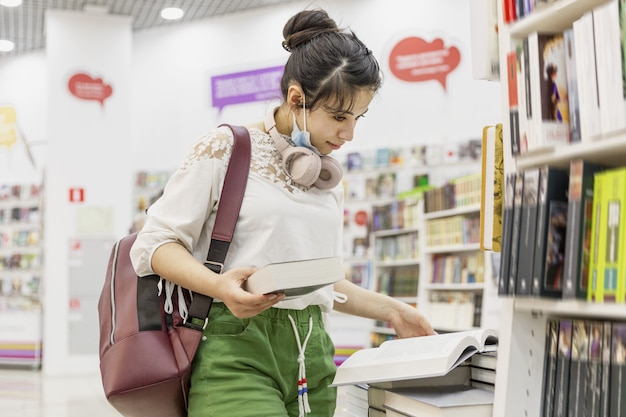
249, 367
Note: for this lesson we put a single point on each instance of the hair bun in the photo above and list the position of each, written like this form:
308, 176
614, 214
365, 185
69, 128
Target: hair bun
305, 26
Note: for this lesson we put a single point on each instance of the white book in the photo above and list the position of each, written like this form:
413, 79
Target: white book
414, 357
608, 41
448, 400
589, 109
296, 278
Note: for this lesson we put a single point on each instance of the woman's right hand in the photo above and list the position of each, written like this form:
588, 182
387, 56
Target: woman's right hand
239, 301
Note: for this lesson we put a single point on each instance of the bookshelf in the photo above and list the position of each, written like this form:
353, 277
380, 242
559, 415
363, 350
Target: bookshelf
20, 275
522, 341
456, 272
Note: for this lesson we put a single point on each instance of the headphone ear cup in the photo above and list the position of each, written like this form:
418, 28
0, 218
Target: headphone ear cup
330, 174
302, 165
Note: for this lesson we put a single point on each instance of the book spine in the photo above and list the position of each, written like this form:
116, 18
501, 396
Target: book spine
527, 232
572, 86
549, 367
617, 385
561, 388
550, 233
594, 280
507, 230
578, 238
594, 370
516, 231
615, 186
578, 386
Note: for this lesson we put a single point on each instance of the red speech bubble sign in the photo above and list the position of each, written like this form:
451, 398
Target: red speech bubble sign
85, 87
415, 60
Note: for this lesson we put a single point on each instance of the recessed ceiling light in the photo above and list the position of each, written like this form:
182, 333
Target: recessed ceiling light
6, 45
172, 13
10, 3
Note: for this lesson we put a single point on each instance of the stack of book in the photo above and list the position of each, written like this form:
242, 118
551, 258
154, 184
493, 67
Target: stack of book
421, 376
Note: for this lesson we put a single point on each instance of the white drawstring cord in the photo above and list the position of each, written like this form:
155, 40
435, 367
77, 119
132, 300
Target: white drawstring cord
168, 304
303, 396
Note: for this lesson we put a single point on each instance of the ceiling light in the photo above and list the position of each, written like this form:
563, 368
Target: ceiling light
6, 45
172, 13
10, 3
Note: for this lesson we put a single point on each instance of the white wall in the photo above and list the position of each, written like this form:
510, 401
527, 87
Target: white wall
172, 68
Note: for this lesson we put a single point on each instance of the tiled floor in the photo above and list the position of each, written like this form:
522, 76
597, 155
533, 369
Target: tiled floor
28, 393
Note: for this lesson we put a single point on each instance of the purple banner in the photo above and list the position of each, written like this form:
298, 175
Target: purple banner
245, 87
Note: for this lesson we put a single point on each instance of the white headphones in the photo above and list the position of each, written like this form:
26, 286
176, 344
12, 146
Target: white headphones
301, 164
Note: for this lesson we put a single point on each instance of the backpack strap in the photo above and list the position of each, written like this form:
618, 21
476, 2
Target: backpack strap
225, 220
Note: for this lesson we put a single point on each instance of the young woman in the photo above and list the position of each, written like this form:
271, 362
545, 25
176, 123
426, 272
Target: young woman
264, 356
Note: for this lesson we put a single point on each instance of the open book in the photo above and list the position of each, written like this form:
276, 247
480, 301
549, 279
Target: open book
295, 278
415, 357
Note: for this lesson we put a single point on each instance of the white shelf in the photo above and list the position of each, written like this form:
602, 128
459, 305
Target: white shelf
452, 212
468, 247
477, 286
399, 262
395, 232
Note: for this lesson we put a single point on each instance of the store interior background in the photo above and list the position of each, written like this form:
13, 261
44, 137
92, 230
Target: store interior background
161, 103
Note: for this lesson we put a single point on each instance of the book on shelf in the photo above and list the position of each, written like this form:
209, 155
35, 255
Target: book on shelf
550, 232
492, 188
484, 39
578, 365
606, 368
507, 233
563, 355
448, 400
609, 20
413, 358
548, 82
617, 385
614, 223
296, 278
514, 108
513, 253
594, 369
578, 237
595, 280
549, 366
528, 222
572, 86
584, 50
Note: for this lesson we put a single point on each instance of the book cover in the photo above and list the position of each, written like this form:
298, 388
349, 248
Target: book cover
614, 256
507, 231
578, 382
438, 401
526, 249
549, 366
578, 237
551, 222
521, 140
617, 386
563, 357
596, 259
295, 278
416, 357
548, 80
572, 86
515, 233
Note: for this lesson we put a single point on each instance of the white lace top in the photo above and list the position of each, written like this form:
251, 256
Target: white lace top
279, 220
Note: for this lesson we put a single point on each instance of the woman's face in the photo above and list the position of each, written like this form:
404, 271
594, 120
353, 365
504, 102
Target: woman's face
331, 129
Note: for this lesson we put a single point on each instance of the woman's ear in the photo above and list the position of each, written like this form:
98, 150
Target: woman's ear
295, 97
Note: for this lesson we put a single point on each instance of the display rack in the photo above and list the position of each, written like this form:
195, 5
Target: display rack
521, 352
20, 275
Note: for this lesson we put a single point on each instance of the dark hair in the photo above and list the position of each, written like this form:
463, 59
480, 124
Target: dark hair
330, 64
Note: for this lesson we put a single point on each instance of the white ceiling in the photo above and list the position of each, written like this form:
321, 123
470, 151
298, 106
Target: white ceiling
25, 24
